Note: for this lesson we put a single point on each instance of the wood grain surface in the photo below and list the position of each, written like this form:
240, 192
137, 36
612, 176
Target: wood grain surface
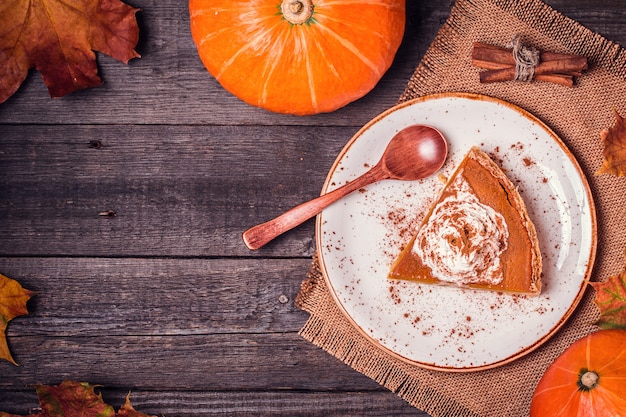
162, 299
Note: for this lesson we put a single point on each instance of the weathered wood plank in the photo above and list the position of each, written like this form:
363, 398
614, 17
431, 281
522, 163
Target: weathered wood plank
174, 329
273, 403
167, 324
209, 362
176, 190
602, 16
149, 297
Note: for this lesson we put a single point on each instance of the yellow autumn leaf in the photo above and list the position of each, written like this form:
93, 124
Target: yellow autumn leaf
614, 141
13, 298
611, 300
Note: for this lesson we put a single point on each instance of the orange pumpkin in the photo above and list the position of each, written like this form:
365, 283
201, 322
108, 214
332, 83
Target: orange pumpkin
297, 56
587, 380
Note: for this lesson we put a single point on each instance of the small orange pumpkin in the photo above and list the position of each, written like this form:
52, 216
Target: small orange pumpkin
297, 56
587, 380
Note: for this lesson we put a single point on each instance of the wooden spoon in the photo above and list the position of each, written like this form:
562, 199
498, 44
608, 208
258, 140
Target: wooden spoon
415, 152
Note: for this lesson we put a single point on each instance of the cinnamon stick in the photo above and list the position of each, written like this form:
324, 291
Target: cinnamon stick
570, 66
496, 76
553, 67
494, 54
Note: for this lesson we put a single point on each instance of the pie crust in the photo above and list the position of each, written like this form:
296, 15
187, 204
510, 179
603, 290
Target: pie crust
477, 234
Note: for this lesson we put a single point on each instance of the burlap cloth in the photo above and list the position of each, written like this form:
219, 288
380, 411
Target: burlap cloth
577, 115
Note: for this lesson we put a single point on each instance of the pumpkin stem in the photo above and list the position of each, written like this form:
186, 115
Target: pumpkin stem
588, 380
297, 12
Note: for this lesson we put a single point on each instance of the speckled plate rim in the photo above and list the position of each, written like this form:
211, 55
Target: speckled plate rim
589, 262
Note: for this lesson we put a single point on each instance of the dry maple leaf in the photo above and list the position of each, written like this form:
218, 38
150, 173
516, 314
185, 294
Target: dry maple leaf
13, 298
614, 140
127, 410
611, 300
72, 398
59, 38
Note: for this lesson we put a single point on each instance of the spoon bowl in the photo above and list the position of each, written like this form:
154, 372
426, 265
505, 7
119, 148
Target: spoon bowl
415, 152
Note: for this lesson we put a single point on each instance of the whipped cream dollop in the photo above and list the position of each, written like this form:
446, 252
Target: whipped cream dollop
463, 240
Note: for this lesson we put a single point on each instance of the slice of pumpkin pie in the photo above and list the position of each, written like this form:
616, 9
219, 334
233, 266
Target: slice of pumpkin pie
477, 234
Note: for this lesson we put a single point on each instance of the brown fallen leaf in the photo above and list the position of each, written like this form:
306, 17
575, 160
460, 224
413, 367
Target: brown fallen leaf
611, 300
13, 298
59, 38
127, 410
614, 140
72, 398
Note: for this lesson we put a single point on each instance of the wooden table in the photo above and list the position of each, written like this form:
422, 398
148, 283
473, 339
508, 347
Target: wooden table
163, 299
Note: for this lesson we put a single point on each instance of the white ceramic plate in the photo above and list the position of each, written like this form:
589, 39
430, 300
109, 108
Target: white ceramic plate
449, 328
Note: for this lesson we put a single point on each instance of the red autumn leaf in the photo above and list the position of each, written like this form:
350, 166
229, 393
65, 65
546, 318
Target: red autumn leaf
72, 399
59, 38
13, 298
614, 140
611, 300
76, 399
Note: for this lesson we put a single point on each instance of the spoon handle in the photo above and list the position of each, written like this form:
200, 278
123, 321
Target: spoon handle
261, 234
